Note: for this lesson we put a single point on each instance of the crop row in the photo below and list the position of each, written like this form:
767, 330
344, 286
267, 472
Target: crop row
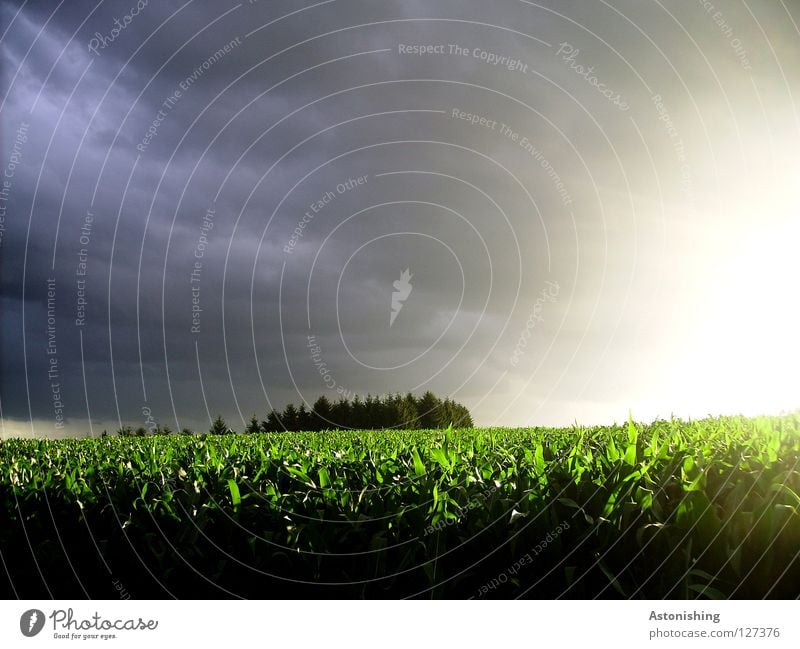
672, 509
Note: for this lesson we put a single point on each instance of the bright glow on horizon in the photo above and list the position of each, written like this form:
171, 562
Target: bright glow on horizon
745, 352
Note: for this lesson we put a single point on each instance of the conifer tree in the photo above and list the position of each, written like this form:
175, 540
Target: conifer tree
322, 414
253, 426
218, 426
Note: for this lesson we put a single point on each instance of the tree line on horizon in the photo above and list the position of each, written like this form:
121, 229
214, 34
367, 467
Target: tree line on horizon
371, 413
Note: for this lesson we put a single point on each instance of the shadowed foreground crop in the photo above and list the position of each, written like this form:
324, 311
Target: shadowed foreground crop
672, 509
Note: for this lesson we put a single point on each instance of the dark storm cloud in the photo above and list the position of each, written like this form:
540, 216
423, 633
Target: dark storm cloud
187, 109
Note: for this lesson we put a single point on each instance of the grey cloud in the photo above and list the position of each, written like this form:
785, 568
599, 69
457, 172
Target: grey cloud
597, 184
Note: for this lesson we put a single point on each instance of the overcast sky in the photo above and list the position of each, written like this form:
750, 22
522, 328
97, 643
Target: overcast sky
596, 203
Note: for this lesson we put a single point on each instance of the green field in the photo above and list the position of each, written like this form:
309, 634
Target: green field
671, 509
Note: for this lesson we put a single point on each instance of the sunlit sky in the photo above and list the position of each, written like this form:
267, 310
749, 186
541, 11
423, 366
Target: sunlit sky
598, 204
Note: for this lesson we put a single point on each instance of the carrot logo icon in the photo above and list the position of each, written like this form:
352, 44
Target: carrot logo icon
31, 622
402, 290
